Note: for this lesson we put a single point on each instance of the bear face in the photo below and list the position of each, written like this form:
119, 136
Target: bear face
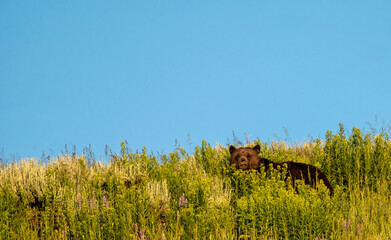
245, 158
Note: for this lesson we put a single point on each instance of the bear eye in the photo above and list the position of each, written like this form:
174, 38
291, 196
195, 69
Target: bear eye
237, 157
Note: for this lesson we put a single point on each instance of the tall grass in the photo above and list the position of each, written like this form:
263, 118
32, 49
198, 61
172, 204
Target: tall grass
199, 196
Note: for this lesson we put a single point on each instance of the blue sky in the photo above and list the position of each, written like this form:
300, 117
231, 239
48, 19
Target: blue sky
100, 72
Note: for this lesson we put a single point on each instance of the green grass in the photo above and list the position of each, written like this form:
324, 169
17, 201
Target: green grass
138, 196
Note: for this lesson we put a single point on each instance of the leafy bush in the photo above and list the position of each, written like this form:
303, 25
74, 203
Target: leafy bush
199, 196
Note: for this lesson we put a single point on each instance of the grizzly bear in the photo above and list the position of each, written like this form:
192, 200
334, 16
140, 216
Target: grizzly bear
247, 158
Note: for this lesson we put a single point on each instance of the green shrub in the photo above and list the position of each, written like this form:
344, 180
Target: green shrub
199, 196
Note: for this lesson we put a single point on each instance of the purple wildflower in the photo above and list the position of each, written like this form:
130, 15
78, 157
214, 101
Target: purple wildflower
79, 200
183, 201
346, 225
142, 231
136, 230
91, 205
140, 235
105, 202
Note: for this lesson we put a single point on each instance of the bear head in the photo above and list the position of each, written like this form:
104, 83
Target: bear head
245, 158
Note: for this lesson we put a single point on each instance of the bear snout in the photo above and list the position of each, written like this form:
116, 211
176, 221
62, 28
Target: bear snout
242, 162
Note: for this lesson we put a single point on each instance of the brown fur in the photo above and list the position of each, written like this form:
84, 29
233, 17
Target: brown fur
247, 158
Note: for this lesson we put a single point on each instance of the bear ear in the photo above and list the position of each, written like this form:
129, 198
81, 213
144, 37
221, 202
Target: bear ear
232, 149
257, 148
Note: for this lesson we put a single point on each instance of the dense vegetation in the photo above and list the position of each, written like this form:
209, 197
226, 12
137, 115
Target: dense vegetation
199, 196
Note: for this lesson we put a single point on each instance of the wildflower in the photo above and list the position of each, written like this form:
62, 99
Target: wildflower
142, 231
140, 235
183, 201
136, 230
346, 225
105, 202
91, 205
79, 200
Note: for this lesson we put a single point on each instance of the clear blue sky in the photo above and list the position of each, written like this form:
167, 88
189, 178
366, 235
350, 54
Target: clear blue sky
149, 72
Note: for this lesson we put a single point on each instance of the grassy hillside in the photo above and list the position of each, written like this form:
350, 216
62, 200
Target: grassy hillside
199, 196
